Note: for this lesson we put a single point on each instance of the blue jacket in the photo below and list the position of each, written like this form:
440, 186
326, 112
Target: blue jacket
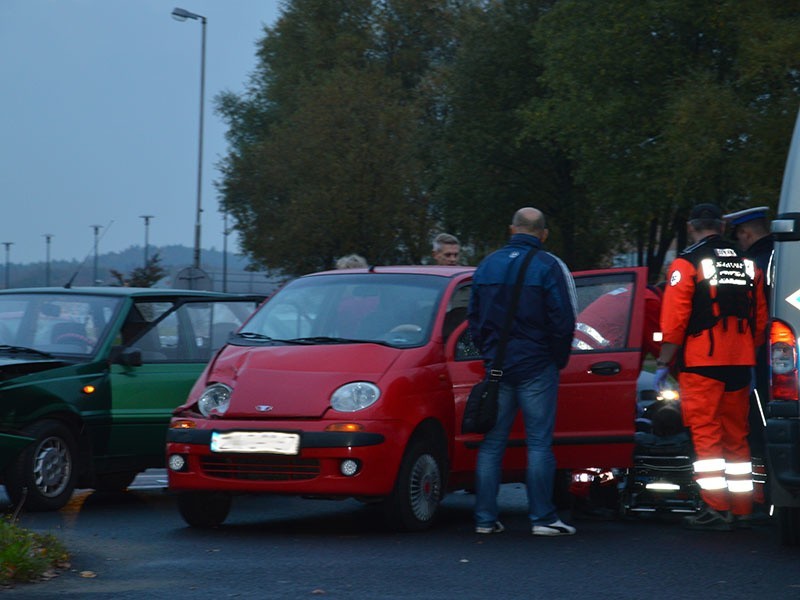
543, 326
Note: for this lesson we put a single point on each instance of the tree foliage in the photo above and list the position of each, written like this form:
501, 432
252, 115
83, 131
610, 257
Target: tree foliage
489, 170
326, 157
147, 276
370, 124
665, 103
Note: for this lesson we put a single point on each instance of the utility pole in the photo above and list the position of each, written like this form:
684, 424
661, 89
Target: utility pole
8, 261
47, 237
146, 235
97, 229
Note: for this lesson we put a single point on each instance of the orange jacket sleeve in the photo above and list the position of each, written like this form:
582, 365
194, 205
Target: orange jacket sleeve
676, 307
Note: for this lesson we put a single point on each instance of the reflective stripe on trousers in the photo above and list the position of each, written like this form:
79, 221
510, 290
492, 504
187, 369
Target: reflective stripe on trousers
716, 474
718, 420
710, 474
739, 476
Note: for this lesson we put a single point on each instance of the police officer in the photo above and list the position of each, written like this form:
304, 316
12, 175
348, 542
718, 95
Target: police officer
713, 317
749, 228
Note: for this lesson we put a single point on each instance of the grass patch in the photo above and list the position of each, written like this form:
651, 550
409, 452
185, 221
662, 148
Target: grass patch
28, 556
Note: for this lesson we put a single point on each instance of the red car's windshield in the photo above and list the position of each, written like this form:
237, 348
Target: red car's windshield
394, 309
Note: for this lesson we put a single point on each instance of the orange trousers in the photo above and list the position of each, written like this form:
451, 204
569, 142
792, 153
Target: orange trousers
718, 421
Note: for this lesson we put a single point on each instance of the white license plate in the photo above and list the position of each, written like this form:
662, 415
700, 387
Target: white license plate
268, 442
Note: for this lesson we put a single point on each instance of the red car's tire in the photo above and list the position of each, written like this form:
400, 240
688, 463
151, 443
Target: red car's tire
204, 510
419, 488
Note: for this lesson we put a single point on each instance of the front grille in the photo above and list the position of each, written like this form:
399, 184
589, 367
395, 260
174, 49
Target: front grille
268, 467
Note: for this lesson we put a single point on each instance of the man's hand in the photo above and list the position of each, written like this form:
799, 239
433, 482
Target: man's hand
661, 377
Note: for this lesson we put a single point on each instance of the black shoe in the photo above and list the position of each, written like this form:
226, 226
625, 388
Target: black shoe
753, 519
709, 519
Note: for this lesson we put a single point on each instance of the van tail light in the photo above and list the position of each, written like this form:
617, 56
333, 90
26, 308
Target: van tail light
783, 361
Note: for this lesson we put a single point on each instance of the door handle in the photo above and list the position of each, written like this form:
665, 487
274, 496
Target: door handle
608, 367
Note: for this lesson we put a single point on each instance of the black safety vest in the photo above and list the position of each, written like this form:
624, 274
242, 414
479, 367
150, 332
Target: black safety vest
724, 285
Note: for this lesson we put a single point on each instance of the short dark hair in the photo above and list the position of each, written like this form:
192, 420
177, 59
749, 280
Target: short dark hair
706, 217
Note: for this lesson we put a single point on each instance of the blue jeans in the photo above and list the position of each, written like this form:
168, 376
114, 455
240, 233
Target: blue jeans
537, 399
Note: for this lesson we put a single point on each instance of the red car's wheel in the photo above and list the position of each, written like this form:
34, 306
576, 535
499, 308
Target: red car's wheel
419, 489
204, 509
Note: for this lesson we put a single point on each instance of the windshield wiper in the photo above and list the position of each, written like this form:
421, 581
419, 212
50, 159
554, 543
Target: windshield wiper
249, 335
260, 337
23, 350
322, 339
306, 341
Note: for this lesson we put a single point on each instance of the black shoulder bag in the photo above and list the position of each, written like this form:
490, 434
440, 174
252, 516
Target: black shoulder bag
480, 413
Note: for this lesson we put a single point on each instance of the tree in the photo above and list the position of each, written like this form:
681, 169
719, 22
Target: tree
369, 124
325, 155
664, 103
488, 171
146, 276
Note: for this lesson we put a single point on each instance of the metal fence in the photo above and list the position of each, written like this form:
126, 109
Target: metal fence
236, 282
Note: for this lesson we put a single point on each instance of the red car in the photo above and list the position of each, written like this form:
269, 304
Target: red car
352, 383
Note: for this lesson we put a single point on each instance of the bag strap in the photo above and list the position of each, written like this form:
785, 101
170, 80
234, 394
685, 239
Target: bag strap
497, 366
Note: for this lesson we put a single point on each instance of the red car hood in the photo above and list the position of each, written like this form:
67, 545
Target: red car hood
295, 381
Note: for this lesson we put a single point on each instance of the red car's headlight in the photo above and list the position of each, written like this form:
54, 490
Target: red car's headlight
214, 400
355, 396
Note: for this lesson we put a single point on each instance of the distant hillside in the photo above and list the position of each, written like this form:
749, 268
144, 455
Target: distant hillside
173, 259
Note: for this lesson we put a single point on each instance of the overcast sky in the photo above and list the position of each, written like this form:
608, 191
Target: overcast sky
100, 120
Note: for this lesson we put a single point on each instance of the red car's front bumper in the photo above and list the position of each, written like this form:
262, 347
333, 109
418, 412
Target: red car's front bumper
377, 448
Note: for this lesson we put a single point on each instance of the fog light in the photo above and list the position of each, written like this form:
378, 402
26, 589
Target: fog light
176, 462
349, 467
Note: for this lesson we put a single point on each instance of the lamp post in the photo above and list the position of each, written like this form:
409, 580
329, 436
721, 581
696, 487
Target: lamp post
146, 235
8, 262
96, 239
225, 232
47, 237
181, 14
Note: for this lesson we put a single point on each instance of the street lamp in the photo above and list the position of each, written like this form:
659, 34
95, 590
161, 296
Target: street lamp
146, 235
96, 233
47, 237
8, 262
181, 14
225, 233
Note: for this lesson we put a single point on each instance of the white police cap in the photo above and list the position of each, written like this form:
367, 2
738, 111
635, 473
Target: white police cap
748, 214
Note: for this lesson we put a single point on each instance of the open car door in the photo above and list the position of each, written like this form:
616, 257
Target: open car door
595, 419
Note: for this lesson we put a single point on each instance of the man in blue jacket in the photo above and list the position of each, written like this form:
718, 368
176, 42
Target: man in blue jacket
538, 346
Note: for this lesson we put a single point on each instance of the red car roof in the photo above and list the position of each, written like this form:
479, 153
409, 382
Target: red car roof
405, 269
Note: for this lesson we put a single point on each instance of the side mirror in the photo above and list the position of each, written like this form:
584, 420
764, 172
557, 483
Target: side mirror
129, 357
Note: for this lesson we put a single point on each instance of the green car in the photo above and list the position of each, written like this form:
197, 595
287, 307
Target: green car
89, 378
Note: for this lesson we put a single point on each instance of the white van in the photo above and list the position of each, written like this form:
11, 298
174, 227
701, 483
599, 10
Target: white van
783, 411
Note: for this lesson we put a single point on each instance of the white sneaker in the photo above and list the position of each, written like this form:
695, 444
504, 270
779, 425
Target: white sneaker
555, 528
496, 528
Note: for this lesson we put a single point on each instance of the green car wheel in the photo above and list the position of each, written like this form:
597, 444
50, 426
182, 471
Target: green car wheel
43, 476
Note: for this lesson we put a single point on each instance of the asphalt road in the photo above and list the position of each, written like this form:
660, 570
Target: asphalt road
135, 545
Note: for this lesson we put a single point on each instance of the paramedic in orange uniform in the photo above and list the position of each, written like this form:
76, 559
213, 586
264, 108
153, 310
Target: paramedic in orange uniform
713, 318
